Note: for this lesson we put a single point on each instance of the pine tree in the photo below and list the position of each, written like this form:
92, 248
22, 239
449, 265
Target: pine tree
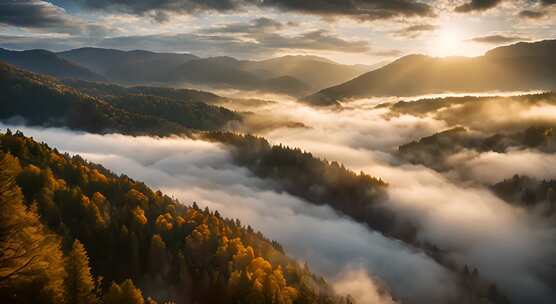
126, 293
79, 282
130, 293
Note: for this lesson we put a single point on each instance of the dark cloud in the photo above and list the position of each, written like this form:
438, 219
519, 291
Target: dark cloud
477, 5
44, 16
358, 9
498, 39
415, 30
31, 13
532, 14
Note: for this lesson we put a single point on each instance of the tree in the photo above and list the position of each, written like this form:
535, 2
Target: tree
126, 293
79, 282
130, 293
157, 255
31, 262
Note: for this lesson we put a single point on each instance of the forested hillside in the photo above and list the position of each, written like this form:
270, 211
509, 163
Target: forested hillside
41, 100
73, 232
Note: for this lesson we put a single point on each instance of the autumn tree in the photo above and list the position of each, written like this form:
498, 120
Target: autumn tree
31, 262
126, 293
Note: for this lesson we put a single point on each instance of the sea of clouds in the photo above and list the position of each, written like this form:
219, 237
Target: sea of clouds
510, 246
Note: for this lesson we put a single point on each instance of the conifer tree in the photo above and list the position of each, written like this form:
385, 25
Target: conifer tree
79, 282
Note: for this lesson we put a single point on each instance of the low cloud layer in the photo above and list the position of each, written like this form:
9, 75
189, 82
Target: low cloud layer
478, 228
334, 246
493, 167
509, 246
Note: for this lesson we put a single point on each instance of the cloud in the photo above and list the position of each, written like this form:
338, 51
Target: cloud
358, 284
42, 42
258, 25
415, 30
498, 39
358, 9
387, 53
259, 37
203, 172
32, 13
45, 16
314, 40
507, 245
477, 6
493, 167
532, 14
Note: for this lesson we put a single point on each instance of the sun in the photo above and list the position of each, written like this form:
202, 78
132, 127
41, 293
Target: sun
449, 41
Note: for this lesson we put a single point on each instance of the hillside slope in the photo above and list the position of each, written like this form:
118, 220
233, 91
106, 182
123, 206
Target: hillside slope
172, 252
41, 100
522, 66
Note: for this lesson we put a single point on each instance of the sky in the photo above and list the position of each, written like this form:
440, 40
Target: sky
347, 31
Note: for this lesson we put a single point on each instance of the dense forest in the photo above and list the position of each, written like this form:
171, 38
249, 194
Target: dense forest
109, 90
529, 192
72, 232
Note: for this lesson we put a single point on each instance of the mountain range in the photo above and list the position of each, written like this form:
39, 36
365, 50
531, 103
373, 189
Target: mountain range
290, 75
519, 67
48, 63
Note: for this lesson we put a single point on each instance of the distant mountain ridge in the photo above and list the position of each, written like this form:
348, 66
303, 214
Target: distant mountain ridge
291, 75
48, 63
522, 66
127, 67
294, 75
